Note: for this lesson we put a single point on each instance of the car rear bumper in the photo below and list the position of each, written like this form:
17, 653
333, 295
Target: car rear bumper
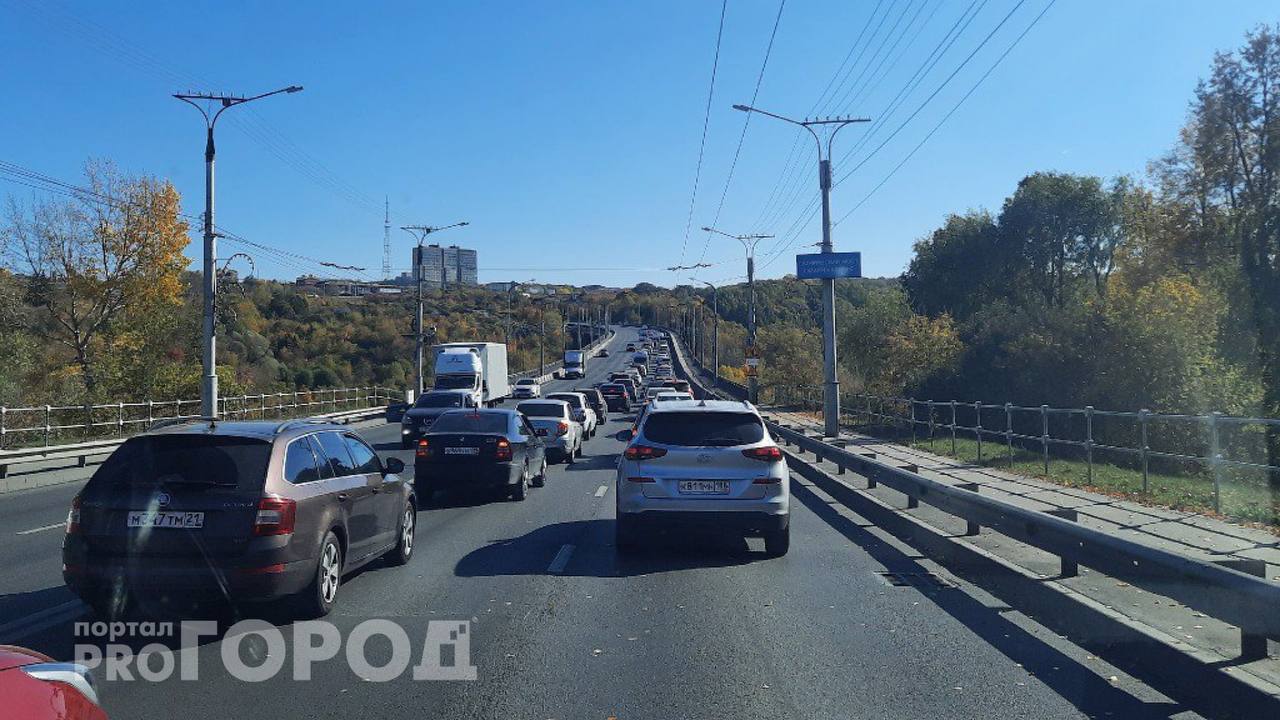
259, 579
455, 476
712, 521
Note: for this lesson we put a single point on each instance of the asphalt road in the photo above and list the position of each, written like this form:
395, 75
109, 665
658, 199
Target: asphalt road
561, 627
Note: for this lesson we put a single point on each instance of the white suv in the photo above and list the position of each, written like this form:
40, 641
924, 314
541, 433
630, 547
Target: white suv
703, 464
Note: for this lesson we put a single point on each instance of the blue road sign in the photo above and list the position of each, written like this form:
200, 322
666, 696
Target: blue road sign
829, 265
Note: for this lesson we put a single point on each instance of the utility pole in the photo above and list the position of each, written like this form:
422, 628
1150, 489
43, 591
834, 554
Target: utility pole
420, 233
749, 243
209, 282
831, 379
715, 329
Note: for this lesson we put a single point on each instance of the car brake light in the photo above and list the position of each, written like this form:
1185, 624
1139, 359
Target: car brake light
643, 452
275, 516
503, 451
422, 448
769, 453
562, 429
73, 516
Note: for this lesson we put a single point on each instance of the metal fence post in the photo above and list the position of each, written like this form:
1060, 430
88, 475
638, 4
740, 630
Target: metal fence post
977, 426
911, 403
1008, 430
1044, 436
1215, 460
120, 416
953, 428
48, 412
931, 428
1143, 415
3, 411
151, 412
1088, 439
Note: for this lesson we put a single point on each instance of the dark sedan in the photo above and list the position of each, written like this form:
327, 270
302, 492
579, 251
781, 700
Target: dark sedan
493, 450
615, 396
597, 403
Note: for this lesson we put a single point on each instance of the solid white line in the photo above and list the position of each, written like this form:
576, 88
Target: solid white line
32, 623
561, 559
602, 490
40, 529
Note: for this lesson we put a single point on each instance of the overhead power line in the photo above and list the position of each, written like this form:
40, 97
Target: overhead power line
706, 120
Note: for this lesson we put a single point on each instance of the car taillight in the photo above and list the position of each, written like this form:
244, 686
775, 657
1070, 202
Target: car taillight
275, 516
422, 448
769, 453
503, 451
643, 452
73, 516
562, 429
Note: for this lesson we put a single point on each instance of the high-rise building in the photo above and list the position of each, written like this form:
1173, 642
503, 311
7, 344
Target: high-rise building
445, 266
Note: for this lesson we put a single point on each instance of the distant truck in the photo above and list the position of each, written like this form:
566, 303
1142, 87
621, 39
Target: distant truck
575, 364
478, 368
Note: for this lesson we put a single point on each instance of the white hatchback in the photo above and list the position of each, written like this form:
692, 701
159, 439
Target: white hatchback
703, 465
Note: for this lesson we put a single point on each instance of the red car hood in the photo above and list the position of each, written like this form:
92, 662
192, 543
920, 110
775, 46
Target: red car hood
12, 656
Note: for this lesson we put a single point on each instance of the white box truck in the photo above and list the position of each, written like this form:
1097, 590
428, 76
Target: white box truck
575, 364
477, 367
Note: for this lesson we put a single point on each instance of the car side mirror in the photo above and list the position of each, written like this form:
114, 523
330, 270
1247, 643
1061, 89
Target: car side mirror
394, 465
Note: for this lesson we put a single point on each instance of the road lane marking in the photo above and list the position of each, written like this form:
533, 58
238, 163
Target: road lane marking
40, 529
561, 559
602, 490
42, 620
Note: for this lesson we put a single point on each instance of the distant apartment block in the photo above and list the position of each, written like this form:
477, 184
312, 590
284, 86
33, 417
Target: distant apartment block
444, 266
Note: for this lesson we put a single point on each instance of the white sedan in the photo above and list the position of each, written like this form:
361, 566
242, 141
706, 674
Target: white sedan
526, 388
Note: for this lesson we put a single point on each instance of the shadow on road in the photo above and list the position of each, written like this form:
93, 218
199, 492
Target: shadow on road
533, 552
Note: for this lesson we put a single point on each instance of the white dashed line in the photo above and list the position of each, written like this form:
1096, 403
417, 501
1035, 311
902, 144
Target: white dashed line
40, 529
561, 559
600, 491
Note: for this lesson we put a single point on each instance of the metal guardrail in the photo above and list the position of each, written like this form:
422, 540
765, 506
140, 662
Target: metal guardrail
46, 425
1229, 590
1225, 447
81, 451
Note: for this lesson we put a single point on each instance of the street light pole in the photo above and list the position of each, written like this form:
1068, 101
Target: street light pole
209, 283
715, 329
831, 380
420, 233
749, 244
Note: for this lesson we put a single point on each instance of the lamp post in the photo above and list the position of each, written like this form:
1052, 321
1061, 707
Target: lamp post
715, 329
749, 243
209, 283
420, 233
831, 381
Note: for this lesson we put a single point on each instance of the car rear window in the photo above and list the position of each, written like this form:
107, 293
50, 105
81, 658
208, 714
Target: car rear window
722, 429
471, 422
612, 390
573, 400
541, 409
444, 400
187, 459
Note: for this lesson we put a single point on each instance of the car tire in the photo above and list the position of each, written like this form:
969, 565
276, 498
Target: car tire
778, 542
321, 594
110, 606
624, 535
521, 490
578, 452
403, 551
540, 479
406, 444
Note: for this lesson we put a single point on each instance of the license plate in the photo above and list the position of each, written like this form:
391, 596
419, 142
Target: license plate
166, 519
542, 432
462, 451
704, 487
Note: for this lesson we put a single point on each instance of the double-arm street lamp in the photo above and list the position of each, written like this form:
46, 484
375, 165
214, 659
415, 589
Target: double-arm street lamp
715, 328
209, 283
749, 243
831, 382
420, 233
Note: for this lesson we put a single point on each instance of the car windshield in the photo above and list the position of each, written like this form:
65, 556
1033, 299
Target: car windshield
526, 381
547, 410
455, 382
463, 421
439, 400
703, 428
186, 459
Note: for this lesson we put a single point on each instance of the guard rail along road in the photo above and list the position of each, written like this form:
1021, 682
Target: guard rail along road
1239, 598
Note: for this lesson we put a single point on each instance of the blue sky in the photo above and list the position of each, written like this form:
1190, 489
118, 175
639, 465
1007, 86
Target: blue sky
567, 133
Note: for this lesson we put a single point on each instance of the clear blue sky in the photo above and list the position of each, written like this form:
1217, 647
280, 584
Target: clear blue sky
568, 132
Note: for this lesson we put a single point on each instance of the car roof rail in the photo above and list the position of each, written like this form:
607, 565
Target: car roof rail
297, 422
